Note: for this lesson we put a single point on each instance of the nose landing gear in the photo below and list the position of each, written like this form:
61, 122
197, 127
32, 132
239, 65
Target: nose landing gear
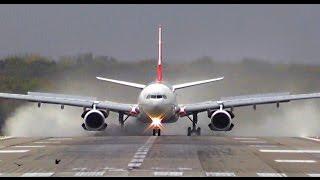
194, 130
156, 131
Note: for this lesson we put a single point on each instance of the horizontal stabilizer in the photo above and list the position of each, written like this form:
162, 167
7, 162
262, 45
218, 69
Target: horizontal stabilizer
136, 85
184, 85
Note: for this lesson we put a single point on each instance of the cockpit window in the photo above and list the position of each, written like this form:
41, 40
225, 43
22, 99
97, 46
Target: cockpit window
157, 97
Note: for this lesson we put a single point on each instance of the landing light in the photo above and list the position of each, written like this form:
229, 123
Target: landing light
155, 124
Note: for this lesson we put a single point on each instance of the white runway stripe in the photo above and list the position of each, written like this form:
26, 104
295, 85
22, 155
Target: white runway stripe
141, 153
168, 173
46, 174
263, 146
98, 173
60, 139
288, 151
5, 137
314, 175
79, 169
139, 156
220, 174
137, 160
314, 139
272, 174
245, 138
47, 142
14, 151
184, 169
134, 165
30, 146
295, 161
258, 142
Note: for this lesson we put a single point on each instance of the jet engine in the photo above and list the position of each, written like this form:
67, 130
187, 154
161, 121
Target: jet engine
94, 120
221, 120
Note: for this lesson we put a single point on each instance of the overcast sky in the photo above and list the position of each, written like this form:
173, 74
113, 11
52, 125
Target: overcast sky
282, 33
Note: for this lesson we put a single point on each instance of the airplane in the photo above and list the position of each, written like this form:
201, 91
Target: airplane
157, 104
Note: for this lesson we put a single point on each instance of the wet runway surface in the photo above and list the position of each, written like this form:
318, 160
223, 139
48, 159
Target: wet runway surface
160, 156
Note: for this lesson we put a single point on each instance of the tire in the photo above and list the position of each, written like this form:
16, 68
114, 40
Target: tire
189, 131
198, 131
159, 132
153, 132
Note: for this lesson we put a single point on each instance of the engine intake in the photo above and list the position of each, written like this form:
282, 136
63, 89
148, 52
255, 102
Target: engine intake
221, 120
94, 120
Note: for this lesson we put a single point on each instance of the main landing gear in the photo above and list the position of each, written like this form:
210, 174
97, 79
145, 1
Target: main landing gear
156, 131
194, 130
122, 119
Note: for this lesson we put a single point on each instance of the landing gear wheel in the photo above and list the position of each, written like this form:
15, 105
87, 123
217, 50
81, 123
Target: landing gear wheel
159, 132
189, 131
153, 132
198, 132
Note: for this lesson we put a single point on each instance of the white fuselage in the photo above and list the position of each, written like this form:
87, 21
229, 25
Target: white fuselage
158, 101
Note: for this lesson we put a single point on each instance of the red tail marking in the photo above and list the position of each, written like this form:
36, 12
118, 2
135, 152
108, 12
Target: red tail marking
159, 72
159, 67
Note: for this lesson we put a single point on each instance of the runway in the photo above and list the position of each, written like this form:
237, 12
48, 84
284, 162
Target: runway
160, 156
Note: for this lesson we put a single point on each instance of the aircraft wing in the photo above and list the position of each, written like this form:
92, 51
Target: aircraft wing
70, 100
250, 100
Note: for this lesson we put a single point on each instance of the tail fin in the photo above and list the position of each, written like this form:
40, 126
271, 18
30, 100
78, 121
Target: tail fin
159, 66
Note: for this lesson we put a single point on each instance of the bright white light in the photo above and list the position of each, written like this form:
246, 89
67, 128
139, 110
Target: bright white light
156, 122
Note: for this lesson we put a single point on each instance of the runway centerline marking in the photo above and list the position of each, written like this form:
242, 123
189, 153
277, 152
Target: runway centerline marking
221, 174
45, 174
288, 151
137, 160
141, 153
167, 173
14, 151
139, 156
294, 161
314, 175
272, 174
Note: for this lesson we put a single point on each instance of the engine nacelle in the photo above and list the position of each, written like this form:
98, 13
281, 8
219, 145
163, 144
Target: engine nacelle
221, 120
94, 120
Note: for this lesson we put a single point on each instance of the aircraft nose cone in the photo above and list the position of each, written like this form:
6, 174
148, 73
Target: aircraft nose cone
154, 110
